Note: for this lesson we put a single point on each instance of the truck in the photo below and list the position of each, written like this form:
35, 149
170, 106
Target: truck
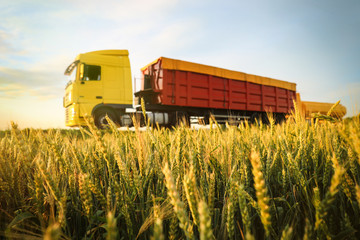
172, 91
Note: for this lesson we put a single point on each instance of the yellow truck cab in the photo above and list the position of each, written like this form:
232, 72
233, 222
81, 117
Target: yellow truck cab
100, 84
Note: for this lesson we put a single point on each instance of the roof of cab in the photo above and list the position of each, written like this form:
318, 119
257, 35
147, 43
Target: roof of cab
110, 52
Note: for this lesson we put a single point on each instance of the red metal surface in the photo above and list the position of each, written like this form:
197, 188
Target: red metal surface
189, 89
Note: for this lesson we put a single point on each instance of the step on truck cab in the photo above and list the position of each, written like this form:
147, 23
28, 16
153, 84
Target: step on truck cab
100, 84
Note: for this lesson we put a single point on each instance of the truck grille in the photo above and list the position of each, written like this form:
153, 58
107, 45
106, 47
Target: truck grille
67, 115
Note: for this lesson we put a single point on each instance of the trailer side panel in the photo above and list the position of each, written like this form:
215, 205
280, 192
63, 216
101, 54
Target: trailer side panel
174, 87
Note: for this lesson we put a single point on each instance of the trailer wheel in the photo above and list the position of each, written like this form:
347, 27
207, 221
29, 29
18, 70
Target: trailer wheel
100, 118
255, 118
280, 118
258, 118
264, 118
206, 120
182, 118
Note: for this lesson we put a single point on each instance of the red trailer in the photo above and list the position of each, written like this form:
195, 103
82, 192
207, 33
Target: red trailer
180, 88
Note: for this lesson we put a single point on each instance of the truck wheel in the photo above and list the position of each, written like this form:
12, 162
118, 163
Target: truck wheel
100, 118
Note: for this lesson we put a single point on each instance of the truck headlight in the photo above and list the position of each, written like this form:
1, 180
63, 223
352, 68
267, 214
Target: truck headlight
69, 97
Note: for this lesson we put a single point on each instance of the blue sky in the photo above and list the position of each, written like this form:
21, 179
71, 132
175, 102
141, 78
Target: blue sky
315, 44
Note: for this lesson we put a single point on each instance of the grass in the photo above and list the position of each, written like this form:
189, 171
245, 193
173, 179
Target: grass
288, 181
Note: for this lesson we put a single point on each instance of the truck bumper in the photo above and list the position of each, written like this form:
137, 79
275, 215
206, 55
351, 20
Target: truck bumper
72, 118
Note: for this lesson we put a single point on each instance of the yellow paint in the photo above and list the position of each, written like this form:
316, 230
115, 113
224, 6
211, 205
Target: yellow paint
308, 108
174, 64
114, 86
72, 117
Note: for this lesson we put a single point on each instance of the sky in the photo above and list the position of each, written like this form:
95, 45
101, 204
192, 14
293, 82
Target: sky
313, 43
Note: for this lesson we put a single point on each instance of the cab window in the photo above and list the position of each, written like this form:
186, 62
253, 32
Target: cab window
91, 73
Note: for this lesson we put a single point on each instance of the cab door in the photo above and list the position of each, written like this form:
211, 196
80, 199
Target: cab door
90, 88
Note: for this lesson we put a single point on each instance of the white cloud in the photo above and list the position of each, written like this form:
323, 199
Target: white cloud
177, 35
6, 45
125, 9
12, 90
47, 30
42, 85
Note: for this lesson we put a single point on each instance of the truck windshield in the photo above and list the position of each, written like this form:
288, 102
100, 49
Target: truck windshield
71, 70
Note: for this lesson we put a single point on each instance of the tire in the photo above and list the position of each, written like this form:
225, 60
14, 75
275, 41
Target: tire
255, 118
100, 118
258, 118
280, 118
264, 118
206, 119
182, 118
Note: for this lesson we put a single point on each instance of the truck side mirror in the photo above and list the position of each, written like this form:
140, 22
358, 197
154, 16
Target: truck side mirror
81, 72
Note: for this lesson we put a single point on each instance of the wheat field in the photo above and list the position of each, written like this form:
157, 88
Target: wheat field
290, 181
